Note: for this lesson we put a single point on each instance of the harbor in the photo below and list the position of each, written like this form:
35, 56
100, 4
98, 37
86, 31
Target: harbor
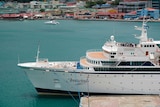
80, 53
121, 101
67, 36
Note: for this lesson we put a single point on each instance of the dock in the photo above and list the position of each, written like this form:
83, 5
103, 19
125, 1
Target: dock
120, 101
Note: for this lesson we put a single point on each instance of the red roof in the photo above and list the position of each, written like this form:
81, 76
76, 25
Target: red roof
108, 13
10, 15
132, 13
69, 15
151, 9
102, 13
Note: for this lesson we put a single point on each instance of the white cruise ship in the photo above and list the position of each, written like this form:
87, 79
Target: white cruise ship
118, 68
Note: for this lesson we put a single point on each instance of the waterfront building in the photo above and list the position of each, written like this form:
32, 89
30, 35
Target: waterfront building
97, 6
84, 14
155, 4
36, 6
109, 14
131, 15
131, 5
149, 13
41, 5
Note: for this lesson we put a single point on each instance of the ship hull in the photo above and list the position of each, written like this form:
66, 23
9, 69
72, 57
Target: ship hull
67, 82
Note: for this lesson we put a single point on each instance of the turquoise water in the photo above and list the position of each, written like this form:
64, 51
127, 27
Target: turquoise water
67, 41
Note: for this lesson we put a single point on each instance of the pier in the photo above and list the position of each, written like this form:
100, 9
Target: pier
121, 101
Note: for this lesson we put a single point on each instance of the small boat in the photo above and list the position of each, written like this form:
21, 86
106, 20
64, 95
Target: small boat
52, 22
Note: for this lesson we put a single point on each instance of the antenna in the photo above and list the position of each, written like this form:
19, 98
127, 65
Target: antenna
37, 57
143, 37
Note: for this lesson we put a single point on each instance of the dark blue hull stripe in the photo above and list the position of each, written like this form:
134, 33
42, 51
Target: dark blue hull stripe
67, 93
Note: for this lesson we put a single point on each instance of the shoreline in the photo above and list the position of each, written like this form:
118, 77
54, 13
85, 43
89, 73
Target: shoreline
118, 20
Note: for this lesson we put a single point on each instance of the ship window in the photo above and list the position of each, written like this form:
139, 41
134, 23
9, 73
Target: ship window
112, 56
108, 62
125, 69
113, 53
135, 63
150, 45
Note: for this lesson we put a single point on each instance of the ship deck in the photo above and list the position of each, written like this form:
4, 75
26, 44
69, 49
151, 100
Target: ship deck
84, 62
92, 55
96, 55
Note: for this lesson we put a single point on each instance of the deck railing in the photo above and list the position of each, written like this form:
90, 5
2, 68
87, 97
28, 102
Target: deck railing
94, 50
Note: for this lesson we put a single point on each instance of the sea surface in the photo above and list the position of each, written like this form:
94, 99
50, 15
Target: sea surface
68, 40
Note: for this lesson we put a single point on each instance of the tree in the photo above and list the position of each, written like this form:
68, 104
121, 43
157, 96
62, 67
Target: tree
89, 4
100, 2
42, 10
116, 2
